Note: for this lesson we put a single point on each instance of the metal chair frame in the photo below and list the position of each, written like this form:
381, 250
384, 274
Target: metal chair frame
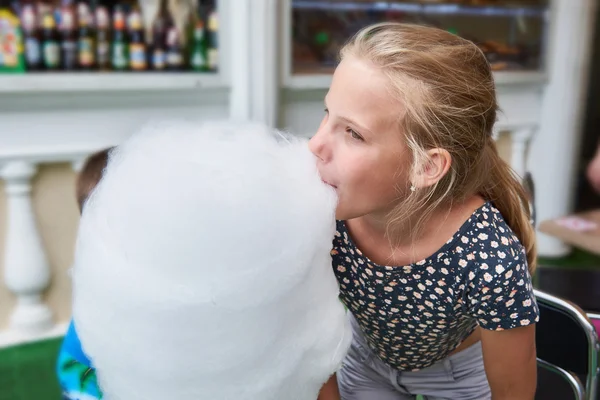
582, 319
569, 377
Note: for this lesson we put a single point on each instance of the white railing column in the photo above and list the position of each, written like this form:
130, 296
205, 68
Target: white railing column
26, 268
520, 139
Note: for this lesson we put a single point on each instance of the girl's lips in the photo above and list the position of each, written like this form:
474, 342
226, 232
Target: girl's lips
330, 184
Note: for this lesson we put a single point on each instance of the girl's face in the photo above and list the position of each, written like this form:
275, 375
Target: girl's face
359, 146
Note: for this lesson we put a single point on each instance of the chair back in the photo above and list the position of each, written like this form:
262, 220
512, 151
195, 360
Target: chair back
566, 338
556, 383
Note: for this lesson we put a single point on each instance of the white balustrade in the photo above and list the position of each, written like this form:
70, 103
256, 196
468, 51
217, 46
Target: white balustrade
520, 139
26, 268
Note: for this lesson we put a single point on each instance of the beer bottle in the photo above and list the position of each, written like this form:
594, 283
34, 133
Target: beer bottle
31, 36
159, 36
102, 37
86, 54
50, 43
119, 57
137, 43
68, 40
213, 35
197, 51
174, 49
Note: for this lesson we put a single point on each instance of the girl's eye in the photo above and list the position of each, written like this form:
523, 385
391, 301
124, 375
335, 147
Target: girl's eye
354, 134
326, 110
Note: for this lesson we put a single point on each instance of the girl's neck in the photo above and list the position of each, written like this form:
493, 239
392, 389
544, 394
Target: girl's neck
399, 245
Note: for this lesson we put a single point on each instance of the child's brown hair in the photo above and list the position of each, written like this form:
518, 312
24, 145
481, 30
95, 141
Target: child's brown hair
90, 175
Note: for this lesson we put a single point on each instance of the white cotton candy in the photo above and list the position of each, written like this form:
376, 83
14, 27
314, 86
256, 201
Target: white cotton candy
203, 268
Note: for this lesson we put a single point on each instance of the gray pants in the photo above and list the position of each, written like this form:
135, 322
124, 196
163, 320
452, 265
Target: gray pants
460, 376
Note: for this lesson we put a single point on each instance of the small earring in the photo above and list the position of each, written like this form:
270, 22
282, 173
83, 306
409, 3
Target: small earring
413, 188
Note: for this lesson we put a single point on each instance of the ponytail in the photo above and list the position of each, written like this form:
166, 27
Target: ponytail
505, 191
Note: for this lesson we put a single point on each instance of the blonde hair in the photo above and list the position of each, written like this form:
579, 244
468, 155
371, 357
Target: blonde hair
446, 87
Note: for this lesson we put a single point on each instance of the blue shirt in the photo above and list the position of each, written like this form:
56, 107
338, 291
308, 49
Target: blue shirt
75, 372
72, 345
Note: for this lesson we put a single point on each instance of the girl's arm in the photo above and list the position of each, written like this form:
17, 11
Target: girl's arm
510, 362
330, 390
593, 171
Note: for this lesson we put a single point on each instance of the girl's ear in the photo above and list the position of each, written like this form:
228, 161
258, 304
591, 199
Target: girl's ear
435, 167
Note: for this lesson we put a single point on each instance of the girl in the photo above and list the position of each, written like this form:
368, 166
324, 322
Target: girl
434, 246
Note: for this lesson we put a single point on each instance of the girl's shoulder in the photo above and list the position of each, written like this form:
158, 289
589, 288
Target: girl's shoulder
486, 238
497, 281
489, 229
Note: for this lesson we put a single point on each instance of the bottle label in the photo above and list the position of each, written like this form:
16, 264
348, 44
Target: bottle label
199, 34
33, 51
48, 21
86, 52
119, 60
172, 37
9, 43
67, 20
158, 59
84, 14
213, 22
213, 58
9, 60
28, 18
134, 22
51, 54
174, 58
103, 50
118, 20
137, 56
102, 20
198, 61
69, 48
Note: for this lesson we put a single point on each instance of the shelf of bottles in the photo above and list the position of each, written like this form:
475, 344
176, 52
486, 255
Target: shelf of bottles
80, 40
511, 33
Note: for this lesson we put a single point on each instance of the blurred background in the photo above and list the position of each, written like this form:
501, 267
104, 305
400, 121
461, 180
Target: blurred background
77, 76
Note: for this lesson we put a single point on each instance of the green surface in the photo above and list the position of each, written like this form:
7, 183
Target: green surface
27, 372
579, 259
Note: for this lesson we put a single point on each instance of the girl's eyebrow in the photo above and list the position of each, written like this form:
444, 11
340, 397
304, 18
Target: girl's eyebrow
361, 127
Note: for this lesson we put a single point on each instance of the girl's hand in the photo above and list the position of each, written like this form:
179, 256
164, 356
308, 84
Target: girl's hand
330, 390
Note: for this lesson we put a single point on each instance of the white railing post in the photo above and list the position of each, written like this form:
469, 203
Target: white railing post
26, 269
520, 139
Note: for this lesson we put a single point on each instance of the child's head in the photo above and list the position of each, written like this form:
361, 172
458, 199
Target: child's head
408, 129
90, 175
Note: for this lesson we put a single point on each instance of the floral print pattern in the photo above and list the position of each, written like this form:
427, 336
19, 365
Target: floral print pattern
415, 315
